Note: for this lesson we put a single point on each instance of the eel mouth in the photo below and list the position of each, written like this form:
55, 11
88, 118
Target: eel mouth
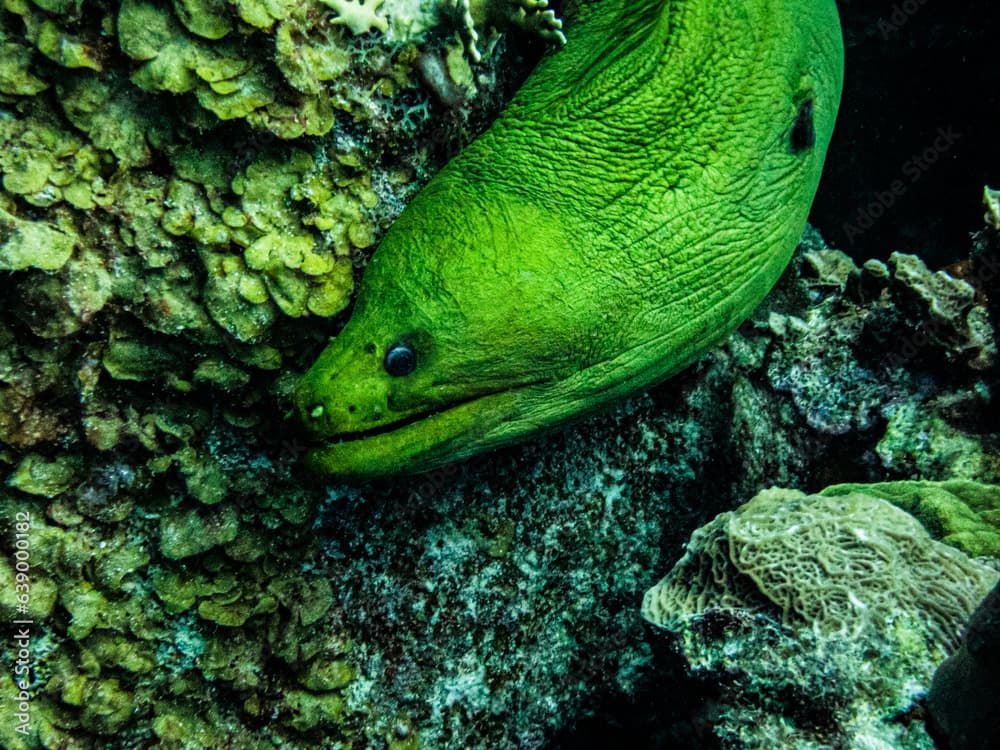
421, 442
385, 429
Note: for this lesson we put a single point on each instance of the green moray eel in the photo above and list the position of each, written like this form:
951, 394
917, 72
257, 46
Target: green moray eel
635, 201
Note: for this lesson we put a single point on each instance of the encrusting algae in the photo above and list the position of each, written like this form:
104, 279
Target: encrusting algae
180, 182
188, 191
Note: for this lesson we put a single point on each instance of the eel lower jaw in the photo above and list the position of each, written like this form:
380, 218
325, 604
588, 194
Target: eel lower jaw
418, 443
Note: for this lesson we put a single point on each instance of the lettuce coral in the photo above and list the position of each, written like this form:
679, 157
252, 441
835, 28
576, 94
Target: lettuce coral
188, 190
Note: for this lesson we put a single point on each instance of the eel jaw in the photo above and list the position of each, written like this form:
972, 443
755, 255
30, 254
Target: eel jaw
500, 418
422, 443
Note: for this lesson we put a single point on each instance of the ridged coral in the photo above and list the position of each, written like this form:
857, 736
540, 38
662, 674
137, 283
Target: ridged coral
845, 563
829, 612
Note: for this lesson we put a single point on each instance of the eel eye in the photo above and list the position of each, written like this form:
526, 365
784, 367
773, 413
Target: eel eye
803, 134
400, 360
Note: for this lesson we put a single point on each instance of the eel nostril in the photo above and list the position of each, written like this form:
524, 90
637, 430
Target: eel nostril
351, 409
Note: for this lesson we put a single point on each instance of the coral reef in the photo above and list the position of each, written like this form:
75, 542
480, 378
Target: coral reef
180, 552
169, 273
181, 183
165, 158
841, 600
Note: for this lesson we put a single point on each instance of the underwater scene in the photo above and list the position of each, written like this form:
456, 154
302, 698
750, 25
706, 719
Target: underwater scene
499, 374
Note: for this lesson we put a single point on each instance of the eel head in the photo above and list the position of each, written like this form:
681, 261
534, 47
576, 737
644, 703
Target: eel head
441, 353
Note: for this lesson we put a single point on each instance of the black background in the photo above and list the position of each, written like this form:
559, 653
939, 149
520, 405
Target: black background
939, 68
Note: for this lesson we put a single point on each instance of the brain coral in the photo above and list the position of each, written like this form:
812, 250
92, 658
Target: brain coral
846, 564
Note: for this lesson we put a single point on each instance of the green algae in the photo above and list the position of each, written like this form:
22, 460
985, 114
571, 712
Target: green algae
33, 244
38, 476
308, 600
192, 532
327, 674
962, 513
187, 188
65, 49
105, 676
303, 710
16, 77
43, 595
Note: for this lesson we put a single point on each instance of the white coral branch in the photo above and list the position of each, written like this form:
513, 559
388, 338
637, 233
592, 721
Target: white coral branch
360, 16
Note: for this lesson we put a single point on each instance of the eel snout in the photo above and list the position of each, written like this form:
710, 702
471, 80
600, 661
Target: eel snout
344, 393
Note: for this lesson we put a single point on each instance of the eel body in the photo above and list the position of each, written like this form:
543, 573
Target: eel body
636, 200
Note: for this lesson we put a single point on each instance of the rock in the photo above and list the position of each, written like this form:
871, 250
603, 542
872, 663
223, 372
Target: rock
963, 696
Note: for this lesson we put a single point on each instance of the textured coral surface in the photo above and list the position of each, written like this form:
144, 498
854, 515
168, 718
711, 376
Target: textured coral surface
188, 192
840, 597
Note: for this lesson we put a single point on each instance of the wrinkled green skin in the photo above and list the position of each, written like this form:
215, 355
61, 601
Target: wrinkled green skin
633, 204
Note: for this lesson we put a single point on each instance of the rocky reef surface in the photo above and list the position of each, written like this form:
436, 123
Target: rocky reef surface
188, 194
